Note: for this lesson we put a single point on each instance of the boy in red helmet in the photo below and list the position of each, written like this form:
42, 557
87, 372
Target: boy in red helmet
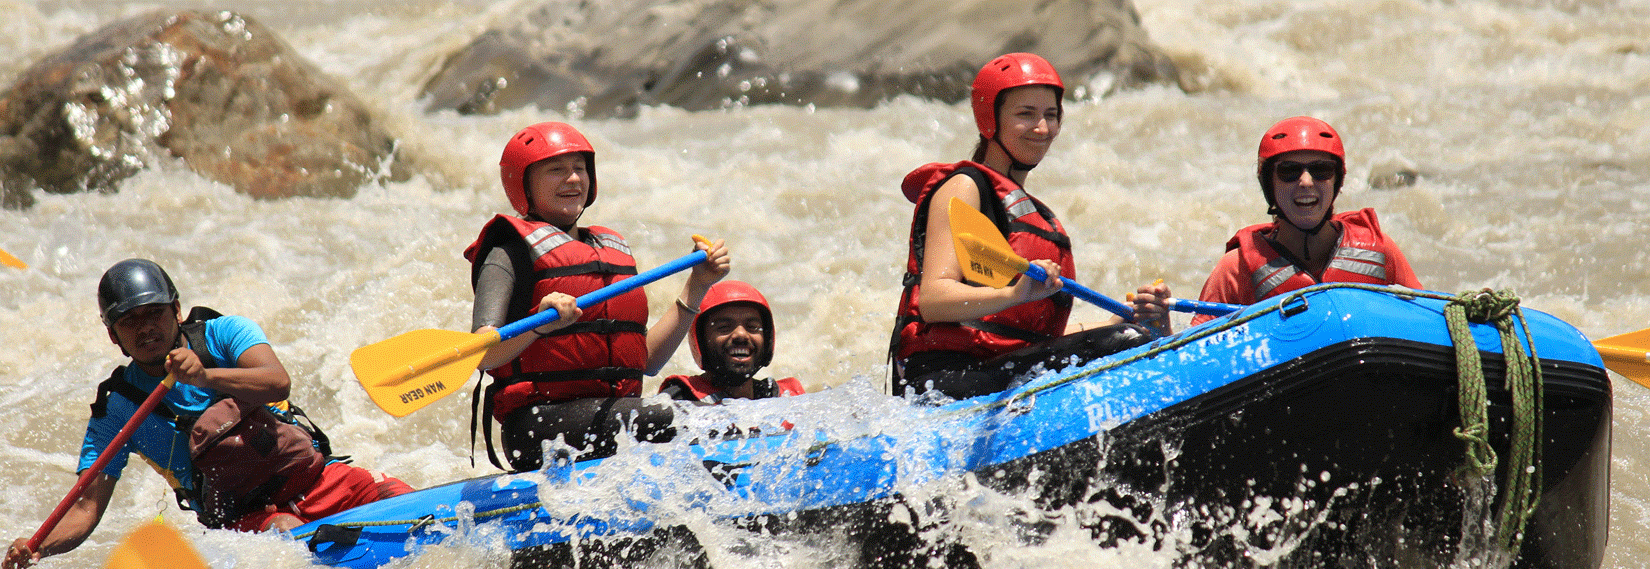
732, 339
964, 340
1301, 167
578, 379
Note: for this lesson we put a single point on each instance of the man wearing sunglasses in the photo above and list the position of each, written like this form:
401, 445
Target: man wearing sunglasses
1301, 167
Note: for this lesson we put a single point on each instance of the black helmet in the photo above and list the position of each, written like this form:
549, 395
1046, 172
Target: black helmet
132, 283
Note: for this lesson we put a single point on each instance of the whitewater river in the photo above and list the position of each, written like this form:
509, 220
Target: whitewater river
1526, 121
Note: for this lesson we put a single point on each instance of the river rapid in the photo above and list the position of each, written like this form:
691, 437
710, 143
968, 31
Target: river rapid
1525, 122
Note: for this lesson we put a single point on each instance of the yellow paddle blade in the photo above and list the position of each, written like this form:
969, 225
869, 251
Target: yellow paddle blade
155, 546
407, 372
1628, 354
984, 254
7, 259
986, 264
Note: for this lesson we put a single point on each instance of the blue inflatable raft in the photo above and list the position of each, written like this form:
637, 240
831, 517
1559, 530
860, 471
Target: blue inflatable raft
1388, 437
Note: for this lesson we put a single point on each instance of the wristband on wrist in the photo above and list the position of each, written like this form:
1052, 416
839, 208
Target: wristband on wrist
684, 306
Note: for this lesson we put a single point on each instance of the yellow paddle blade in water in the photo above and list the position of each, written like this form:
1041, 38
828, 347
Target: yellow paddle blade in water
1628, 354
155, 546
405, 373
7, 259
984, 254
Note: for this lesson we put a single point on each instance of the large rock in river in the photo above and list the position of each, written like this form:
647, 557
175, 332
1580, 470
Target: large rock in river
216, 89
606, 58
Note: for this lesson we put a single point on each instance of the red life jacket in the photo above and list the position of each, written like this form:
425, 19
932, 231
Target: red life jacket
601, 355
1362, 256
703, 390
1033, 233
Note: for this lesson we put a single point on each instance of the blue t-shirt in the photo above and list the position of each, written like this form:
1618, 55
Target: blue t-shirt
157, 438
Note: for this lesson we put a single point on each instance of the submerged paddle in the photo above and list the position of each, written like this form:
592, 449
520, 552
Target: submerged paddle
1627, 354
89, 474
405, 373
8, 259
988, 259
155, 546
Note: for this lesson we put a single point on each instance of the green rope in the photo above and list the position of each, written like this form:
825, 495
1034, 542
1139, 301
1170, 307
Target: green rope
1523, 381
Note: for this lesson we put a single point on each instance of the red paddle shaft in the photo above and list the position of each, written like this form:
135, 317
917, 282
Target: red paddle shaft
86, 476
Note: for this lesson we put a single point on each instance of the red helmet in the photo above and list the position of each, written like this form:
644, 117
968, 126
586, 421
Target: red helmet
1301, 133
1297, 133
1004, 73
725, 293
535, 143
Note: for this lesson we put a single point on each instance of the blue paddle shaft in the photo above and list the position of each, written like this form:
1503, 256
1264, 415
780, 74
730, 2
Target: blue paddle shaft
601, 295
1111, 305
1203, 307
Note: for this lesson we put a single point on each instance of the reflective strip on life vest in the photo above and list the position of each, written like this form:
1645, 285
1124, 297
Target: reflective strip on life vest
1365, 262
1272, 275
1018, 204
547, 238
613, 242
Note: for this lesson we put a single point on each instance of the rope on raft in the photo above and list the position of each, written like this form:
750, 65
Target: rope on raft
1523, 381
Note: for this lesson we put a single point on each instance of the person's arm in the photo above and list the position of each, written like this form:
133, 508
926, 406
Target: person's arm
258, 376
1398, 267
495, 286
944, 295
1226, 284
667, 333
77, 524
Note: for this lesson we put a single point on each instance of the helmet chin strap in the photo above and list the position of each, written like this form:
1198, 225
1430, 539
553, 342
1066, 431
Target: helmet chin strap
1015, 165
1306, 246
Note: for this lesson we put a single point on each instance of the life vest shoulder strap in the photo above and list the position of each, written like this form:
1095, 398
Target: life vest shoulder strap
116, 383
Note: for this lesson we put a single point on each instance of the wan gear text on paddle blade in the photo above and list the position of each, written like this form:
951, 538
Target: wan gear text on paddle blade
410, 371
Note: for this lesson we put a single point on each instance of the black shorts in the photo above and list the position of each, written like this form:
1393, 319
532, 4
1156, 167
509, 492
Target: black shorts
590, 426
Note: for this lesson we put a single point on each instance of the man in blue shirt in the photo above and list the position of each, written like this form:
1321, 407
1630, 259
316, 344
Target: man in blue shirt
140, 308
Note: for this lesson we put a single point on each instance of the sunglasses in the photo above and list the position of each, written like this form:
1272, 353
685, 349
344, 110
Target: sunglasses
1321, 170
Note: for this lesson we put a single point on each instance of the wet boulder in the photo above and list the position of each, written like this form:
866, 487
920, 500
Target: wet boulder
600, 59
215, 89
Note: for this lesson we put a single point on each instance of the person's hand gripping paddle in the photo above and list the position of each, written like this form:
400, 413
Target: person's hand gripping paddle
91, 473
987, 259
405, 373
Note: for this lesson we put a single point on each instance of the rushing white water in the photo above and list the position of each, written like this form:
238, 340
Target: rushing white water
1525, 119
